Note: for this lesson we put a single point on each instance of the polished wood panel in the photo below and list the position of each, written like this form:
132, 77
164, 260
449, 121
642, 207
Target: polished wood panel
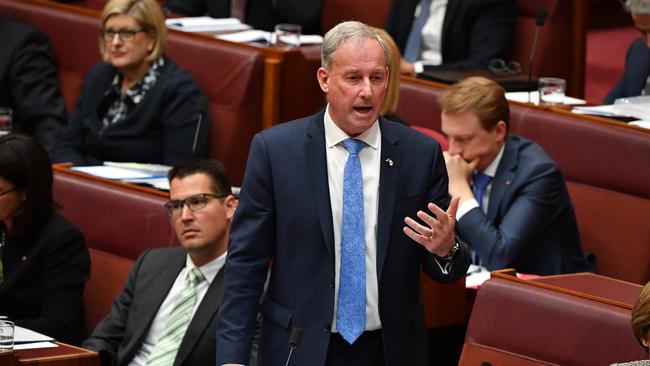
63, 355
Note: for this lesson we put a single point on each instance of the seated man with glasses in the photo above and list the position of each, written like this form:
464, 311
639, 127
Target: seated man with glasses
167, 311
137, 105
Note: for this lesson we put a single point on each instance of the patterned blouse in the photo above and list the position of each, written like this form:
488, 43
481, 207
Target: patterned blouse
124, 102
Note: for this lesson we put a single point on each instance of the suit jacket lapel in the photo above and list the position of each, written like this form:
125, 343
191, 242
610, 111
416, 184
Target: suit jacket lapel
389, 167
452, 7
317, 168
506, 172
202, 318
157, 291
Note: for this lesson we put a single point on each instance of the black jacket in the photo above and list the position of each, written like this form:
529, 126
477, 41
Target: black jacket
44, 280
473, 31
29, 83
160, 129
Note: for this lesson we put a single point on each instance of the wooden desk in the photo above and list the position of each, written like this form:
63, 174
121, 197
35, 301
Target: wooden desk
63, 355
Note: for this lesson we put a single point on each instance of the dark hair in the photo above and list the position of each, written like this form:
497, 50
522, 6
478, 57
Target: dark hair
25, 163
212, 168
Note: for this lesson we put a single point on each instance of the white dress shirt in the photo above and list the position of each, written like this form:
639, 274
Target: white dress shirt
431, 49
209, 271
369, 157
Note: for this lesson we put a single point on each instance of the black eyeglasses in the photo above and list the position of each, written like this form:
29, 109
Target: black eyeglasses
124, 34
7, 191
194, 203
498, 67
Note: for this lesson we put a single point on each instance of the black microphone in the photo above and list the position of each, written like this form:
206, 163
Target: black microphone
203, 109
294, 341
539, 23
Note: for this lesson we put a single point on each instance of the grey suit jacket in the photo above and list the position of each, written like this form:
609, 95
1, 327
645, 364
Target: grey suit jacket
118, 337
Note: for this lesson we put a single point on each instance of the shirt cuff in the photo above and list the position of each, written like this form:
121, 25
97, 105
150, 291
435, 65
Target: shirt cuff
465, 207
418, 67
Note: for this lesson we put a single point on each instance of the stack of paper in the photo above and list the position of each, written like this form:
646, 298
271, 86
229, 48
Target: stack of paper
638, 111
206, 24
256, 35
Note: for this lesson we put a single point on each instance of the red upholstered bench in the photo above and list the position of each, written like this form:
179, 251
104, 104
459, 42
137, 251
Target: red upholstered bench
516, 322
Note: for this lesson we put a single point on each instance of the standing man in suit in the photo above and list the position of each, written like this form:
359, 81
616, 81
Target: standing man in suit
636, 77
167, 311
451, 34
29, 82
332, 201
515, 210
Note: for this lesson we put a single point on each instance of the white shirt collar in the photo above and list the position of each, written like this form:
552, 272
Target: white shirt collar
209, 269
491, 170
334, 135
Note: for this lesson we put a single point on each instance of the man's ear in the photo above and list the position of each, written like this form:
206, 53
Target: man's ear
323, 79
501, 130
230, 203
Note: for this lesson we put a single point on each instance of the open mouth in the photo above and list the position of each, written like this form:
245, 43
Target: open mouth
363, 109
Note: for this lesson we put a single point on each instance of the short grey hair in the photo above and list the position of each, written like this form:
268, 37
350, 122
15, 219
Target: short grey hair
341, 33
638, 6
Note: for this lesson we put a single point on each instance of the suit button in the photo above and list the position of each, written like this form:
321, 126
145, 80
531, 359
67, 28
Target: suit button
327, 328
331, 284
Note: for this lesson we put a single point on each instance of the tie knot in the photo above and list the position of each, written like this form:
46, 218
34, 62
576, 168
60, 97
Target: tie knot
194, 276
481, 180
353, 146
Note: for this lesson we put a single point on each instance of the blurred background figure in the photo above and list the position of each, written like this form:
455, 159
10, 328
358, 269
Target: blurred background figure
641, 325
391, 100
29, 83
260, 14
138, 105
44, 261
451, 34
636, 77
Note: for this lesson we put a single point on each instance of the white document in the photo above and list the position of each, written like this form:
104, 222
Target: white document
206, 24
639, 111
522, 97
110, 172
24, 335
34, 345
253, 35
256, 35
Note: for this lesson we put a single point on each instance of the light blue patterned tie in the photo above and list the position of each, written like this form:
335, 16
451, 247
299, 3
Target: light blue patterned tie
351, 314
414, 42
481, 181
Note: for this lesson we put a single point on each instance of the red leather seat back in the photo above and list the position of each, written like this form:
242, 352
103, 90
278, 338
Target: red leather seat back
114, 219
232, 78
534, 326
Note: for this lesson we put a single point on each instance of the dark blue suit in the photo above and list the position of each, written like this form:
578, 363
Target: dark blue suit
530, 224
473, 31
284, 216
637, 70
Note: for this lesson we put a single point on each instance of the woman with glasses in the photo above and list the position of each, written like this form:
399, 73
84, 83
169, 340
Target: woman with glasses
44, 261
137, 105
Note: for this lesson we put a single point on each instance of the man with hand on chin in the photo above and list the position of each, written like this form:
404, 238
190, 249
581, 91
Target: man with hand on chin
515, 210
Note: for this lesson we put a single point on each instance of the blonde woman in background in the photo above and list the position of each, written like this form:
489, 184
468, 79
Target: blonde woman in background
137, 105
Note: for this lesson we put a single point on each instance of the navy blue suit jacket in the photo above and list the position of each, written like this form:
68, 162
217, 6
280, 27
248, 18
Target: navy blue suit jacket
473, 31
284, 216
530, 224
637, 70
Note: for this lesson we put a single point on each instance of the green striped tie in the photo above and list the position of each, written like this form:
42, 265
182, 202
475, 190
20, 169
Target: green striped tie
164, 352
